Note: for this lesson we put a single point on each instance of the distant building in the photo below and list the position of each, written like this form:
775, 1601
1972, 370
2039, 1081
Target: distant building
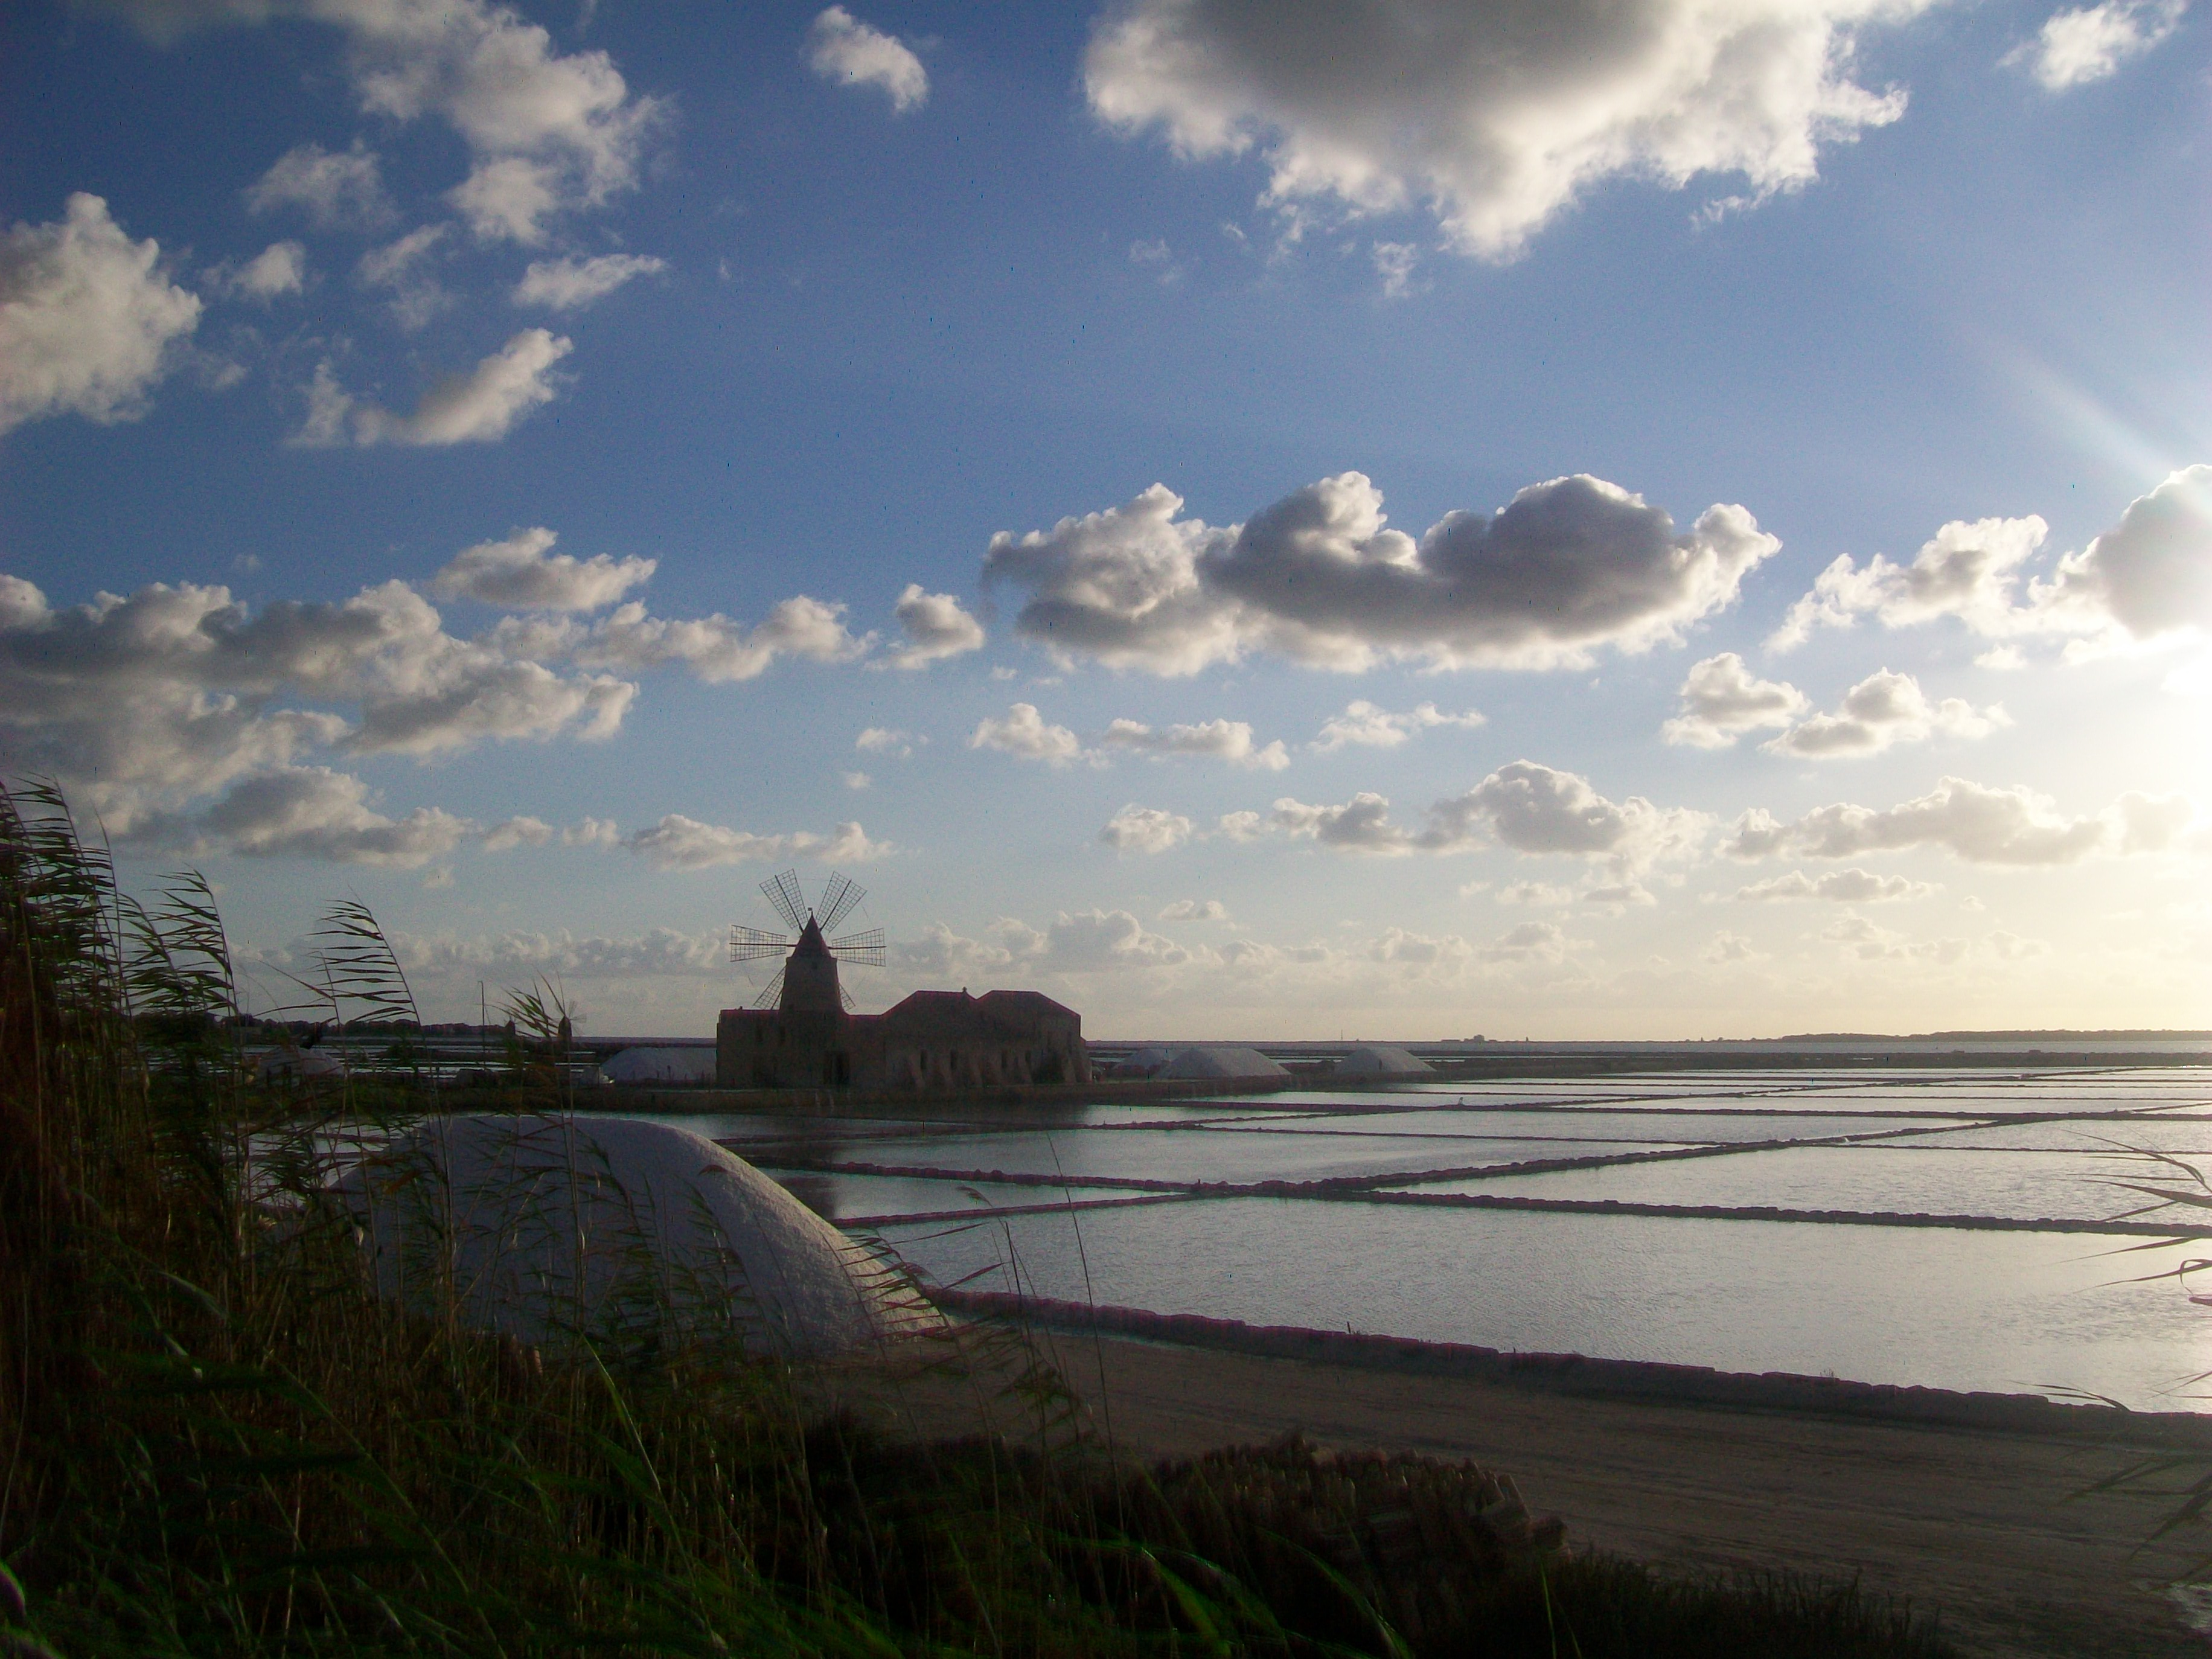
933, 1040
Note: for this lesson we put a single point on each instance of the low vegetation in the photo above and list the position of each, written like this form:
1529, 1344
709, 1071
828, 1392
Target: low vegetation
215, 1440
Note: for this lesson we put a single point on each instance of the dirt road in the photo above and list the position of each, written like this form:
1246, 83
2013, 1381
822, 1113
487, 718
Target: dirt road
1976, 1526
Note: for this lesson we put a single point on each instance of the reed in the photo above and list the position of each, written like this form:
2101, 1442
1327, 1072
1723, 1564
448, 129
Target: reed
216, 1439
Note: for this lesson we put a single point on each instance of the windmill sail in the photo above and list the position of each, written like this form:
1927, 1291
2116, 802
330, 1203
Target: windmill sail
790, 902
751, 945
774, 995
838, 898
867, 950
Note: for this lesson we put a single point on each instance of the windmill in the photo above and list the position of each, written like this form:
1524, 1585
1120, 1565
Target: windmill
807, 981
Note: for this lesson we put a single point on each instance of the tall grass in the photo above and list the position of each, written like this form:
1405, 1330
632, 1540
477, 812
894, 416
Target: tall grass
216, 1439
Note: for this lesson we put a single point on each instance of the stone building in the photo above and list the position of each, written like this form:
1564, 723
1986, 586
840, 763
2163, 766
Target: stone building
934, 1039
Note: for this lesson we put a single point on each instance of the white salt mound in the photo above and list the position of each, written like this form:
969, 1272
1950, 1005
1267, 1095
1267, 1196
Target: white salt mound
1381, 1061
1221, 1062
1144, 1062
644, 1065
617, 1229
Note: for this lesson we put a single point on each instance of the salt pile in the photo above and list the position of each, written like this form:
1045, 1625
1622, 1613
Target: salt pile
616, 1230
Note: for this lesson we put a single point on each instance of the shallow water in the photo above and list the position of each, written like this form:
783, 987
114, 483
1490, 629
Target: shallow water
1953, 1306
1952, 1309
1882, 1180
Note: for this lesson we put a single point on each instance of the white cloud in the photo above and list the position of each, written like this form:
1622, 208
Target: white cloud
592, 832
1025, 734
2089, 43
677, 842
522, 831
1393, 263
1216, 739
480, 406
936, 628
2150, 575
312, 812
1099, 941
568, 284
547, 131
1137, 829
89, 321
1194, 910
886, 740
400, 268
1835, 887
1972, 822
857, 781
1567, 566
1494, 117
1882, 710
1531, 941
340, 188
1727, 947
843, 49
278, 270
523, 572
1864, 942
1542, 894
715, 648
1531, 809
1368, 725
659, 953
1723, 699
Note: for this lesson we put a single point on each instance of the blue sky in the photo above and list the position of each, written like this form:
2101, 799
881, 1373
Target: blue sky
418, 327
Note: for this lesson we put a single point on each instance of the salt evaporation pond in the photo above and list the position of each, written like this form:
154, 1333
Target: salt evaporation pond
1961, 1306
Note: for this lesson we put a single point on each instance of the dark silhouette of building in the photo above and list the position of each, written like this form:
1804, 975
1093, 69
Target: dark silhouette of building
933, 1040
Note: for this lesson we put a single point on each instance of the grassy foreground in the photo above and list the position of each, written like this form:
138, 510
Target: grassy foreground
215, 1440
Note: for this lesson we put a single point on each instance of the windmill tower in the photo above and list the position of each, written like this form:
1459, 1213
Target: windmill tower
807, 983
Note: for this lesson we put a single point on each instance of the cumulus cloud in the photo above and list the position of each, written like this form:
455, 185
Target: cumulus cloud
89, 322
887, 740
524, 573
1726, 947
1095, 941
936, 628
677, 842
278, 270
1194, 910
1498, 117
480, 406
1217, 739
1865, 942
341, 189
1723, 699
2148, 577
400, 267
1137, 829
173, 692
1537, 941
311, 812
1881, 711
715, 648
658, 952
1541, 894
843, 49
1025, 734
1369, 725
570, 284
546, 131
522, 831
1834, 887
1529, 808
1565, 567
2089, 43
1972, 822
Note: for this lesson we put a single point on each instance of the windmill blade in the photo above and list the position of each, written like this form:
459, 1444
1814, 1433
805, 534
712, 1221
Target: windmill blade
751, 945
783, 892
838, 898
865, 949
851, 1006
773, 995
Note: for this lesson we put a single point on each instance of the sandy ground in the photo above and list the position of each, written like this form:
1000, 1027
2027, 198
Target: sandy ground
1984, 1530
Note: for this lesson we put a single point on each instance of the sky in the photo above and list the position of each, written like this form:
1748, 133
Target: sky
1539, 518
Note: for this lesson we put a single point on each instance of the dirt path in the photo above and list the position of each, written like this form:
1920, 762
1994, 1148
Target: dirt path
1973, 1525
